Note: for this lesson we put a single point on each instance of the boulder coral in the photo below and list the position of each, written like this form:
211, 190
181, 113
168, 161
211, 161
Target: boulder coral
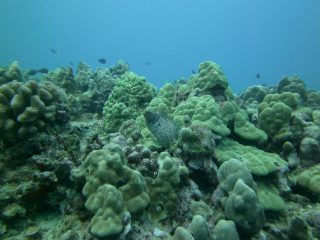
163, 189
258, 162
211, 80
243, 208
10, 73
225, 230
112, 189
130, 96
26, 108
310, 179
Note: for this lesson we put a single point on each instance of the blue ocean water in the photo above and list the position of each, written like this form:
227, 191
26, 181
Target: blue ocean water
167, 39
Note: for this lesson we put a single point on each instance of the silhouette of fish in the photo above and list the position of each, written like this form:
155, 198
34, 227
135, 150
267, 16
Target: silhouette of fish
54, 51
148, 63
32, 72
163, 128
43, 70
193, 72
258, 75
102, 60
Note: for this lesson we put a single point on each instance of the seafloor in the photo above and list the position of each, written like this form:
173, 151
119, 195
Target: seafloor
102, 154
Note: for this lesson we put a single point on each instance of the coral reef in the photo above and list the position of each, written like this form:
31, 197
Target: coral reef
26, 108
10, 73
130, 96
100, 154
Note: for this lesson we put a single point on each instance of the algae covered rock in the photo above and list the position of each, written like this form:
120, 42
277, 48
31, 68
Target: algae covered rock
26, 108
257, 161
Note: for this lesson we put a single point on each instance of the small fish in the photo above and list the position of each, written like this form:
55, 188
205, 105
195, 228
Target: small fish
43, 70
258, 75
32, 72
71, 64
193, 72
148, 63
102, 60
54, 51
163, 128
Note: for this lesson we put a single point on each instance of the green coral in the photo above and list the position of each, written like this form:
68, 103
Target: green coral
182, 234
246, 130
63, 77
164, 101
130, 96
163, 189
200, 208
310, 179
107, 166
26, 108
232, 170
108, 207
225, 230
290, 99
292, 84
313, 99
275, 121
201, 111
255, 93
11, 73
195, 140
310, 149
211, 78
199, 228
243, 208
316, 117
269, 197
257, 161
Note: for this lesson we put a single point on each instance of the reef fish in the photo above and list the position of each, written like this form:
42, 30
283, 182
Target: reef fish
102, 60
54, 51
162, 127
43, 70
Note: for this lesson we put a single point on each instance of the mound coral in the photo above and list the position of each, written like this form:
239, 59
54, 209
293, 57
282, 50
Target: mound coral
26, 108
130, 96
10, 73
